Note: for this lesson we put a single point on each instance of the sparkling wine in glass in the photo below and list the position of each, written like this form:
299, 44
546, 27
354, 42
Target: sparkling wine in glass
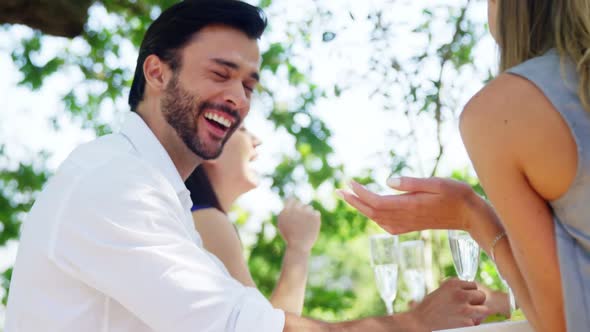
385, 260
412, 259
465, 253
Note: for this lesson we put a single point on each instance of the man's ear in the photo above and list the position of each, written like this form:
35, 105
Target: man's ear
156, 72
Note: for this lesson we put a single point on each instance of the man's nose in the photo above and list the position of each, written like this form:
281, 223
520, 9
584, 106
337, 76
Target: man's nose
237, 97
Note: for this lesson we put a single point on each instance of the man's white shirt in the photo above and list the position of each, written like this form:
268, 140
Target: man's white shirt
110, 245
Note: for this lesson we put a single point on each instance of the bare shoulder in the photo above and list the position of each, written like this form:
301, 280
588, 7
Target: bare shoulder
511, 119
212, 223
506, 100
209, 214
221, 239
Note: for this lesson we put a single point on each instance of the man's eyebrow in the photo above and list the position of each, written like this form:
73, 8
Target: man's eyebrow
235, 66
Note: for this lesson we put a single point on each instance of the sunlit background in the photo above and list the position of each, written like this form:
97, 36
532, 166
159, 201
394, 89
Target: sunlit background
350, 89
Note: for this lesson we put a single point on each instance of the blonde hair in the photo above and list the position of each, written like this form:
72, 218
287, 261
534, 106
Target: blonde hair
529, 28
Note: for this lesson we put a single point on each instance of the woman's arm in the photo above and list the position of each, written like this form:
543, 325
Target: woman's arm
221, 239
298, 224
522, 152
436, 203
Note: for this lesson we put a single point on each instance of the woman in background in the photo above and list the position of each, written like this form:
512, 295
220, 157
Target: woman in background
216, 185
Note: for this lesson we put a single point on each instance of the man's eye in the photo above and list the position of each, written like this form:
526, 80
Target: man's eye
220, 75
249, 88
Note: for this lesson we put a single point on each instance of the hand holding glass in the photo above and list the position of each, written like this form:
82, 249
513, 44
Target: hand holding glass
465, 253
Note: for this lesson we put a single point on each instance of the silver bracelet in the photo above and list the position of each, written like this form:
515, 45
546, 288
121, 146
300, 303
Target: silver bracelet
494, 243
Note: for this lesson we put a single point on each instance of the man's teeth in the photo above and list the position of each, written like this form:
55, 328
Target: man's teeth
221, 120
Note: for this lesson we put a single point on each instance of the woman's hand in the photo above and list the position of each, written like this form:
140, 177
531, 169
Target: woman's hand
432, 203
299, 225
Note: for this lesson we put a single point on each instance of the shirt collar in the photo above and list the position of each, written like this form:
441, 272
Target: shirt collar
152, 151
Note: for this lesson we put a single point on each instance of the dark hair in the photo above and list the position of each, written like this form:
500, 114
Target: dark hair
176, 26
202, 193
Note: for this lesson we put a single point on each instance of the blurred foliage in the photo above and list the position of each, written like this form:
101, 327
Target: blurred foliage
340, 282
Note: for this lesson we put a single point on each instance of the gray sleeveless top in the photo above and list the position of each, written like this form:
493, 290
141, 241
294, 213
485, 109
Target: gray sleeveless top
558, 80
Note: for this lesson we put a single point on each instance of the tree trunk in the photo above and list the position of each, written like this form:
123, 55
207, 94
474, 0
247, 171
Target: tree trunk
64, 18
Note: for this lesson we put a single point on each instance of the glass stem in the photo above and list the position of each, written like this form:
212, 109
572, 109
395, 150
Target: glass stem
389, 307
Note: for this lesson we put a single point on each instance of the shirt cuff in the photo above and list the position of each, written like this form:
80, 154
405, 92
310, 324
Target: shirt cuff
255, 313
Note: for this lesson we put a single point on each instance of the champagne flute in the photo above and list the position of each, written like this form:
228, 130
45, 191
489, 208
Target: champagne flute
384, 260
465, 253
412, 259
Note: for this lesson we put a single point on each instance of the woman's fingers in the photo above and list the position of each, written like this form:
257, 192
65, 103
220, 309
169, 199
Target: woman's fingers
379, 203
368, 197
390, 221
289, 203
357, 203
410, 184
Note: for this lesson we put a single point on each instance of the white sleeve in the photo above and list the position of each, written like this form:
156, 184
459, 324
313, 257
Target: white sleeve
126, 239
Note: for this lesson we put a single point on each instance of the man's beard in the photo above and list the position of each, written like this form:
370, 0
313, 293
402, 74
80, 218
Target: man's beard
181, 110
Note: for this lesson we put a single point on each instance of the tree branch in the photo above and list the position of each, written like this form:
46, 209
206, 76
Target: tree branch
65, 18
445, 58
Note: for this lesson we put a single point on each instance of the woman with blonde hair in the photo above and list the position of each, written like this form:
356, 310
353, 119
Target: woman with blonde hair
528, 135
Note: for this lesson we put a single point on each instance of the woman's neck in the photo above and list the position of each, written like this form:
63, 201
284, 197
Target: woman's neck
226, 195
227, 203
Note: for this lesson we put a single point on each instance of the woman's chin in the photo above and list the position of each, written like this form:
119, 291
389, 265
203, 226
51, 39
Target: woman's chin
252, 182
